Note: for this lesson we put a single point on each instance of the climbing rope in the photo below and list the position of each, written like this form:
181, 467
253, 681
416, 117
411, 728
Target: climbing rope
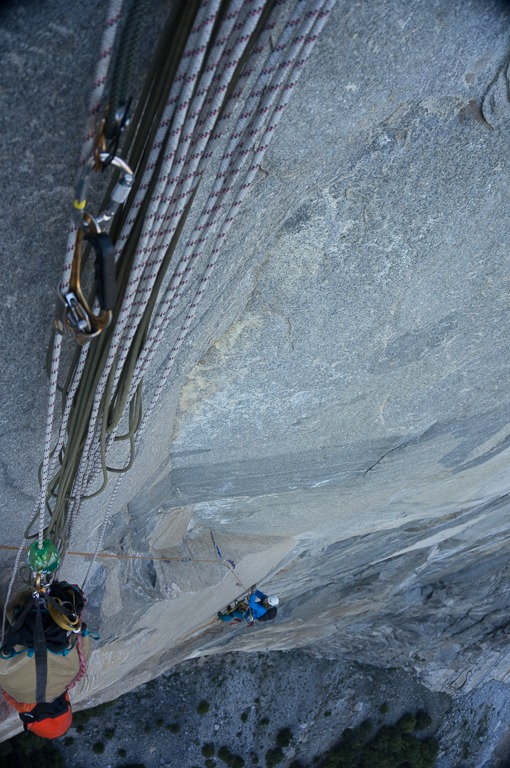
229, 564
109, 31
134, 556
223, 72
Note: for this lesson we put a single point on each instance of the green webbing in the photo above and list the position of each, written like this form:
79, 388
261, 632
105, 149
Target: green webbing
124, 62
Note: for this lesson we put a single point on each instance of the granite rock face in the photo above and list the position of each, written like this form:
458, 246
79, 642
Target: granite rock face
340, 419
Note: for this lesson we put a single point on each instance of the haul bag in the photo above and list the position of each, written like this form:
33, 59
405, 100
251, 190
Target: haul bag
18, 675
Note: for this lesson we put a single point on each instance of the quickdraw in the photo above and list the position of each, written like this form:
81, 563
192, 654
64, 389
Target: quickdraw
73, 310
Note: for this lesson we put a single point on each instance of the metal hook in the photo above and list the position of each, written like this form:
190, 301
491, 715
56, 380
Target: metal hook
76, 313
120, 191
118, 196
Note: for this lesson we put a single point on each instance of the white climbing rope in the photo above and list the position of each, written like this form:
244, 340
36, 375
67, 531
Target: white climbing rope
275, 84
184, 151
109, 32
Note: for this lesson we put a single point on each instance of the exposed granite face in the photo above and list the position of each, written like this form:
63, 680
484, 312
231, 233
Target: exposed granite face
340, 417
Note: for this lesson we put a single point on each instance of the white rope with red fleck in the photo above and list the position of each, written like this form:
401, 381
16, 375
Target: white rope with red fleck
108, 37
96, 101
179, 98
273, 89
141, 280
303, 46
189, 127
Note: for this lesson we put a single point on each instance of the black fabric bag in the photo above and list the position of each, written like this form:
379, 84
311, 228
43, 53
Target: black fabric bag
43, 711
22, 631
269, 614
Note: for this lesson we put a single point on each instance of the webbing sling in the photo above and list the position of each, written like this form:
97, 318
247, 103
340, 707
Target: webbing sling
41, 659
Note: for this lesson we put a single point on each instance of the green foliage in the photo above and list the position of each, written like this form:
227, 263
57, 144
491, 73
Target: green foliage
225, 755
392, 746
384, 709
407, 723
327, 713
174, 727
159, 722
244, 716
27, 750
210, 763
283, 737
98, 747
132, 765
208, 750
203, 707
121, 752
274, 756
423, 720
84, 715
365, 728
109, 733
264, 721
233, 761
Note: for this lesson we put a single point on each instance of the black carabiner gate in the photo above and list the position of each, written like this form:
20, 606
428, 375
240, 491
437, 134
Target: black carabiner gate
104, 267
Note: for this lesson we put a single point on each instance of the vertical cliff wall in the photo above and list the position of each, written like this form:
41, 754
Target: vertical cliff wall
340, 416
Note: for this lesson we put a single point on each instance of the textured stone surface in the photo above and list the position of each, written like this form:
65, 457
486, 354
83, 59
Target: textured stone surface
340, 417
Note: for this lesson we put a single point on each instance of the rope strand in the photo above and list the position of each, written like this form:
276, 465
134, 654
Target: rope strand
228, 74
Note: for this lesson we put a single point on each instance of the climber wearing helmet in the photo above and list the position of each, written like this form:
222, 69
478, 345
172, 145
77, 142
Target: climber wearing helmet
256, 606
262, 607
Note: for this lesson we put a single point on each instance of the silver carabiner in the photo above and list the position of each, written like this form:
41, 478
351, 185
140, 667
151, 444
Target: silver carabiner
121, 190
118, 196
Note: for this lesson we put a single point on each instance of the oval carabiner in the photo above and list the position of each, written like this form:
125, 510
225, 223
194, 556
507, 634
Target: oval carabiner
77, 314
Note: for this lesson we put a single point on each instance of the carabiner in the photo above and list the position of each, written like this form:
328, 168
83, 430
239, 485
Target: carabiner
77, 314
118, 196
109, 146
121, 190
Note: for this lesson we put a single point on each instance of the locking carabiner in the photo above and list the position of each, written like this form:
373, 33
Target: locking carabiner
76, 313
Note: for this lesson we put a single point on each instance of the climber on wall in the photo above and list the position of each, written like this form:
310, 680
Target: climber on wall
258, 607
262, 607
43, 654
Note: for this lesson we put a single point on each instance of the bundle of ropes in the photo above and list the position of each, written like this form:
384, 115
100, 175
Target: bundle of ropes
222, 76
